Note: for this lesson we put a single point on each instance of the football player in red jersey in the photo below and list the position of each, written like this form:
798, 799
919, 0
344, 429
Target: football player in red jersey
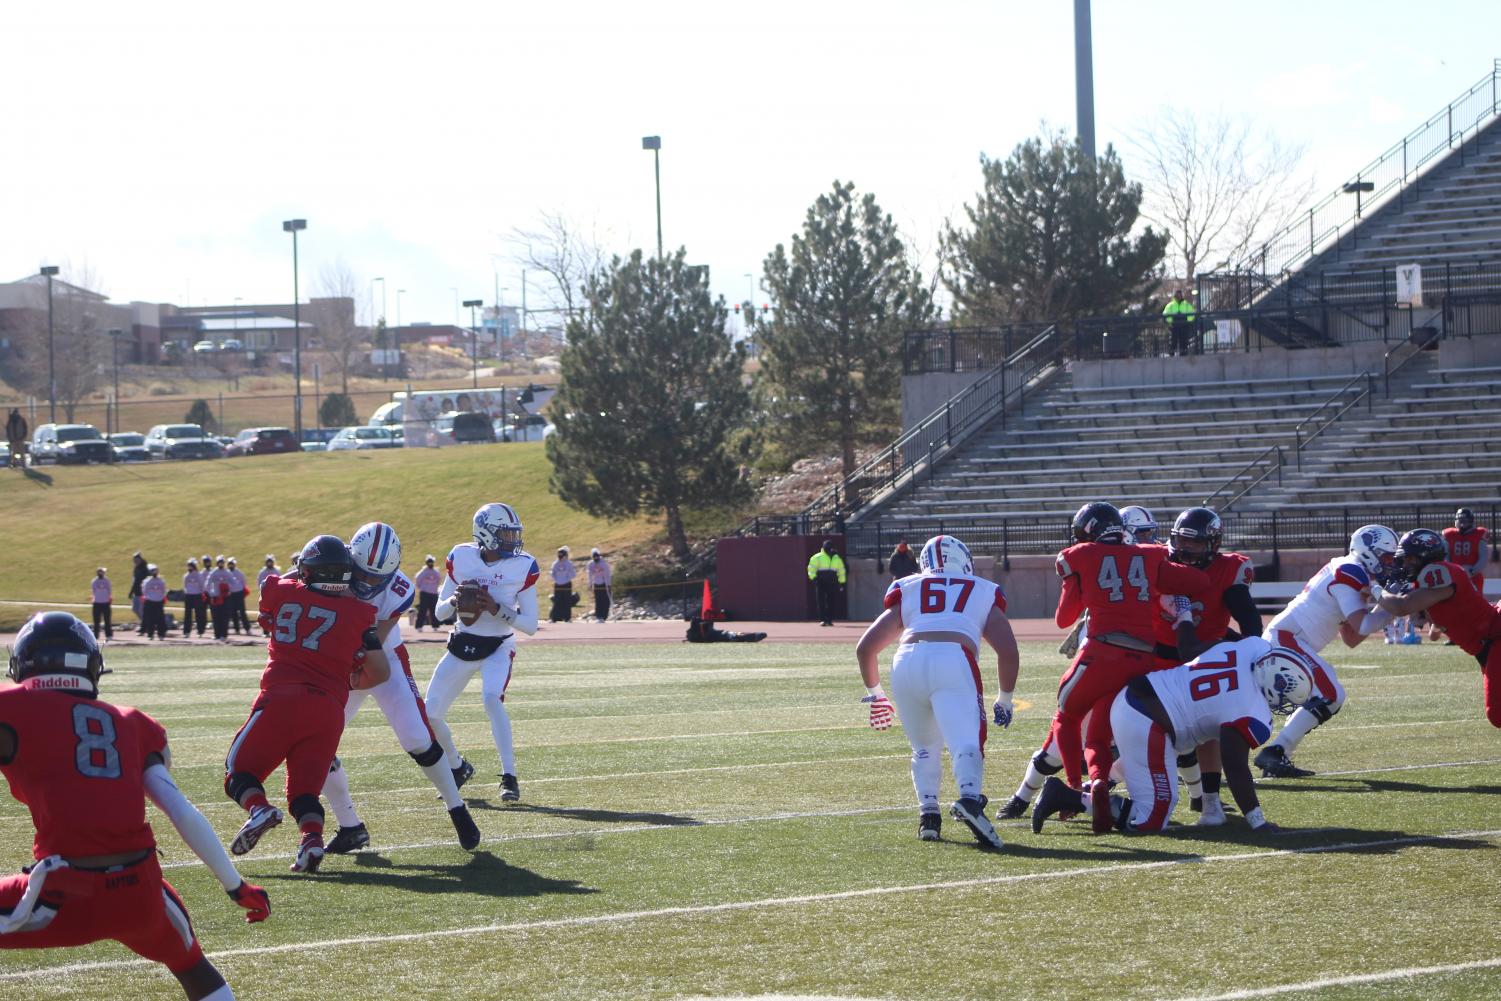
1119, 584
1195, 541
323, 643
1467, 546
84, 769
1444, 591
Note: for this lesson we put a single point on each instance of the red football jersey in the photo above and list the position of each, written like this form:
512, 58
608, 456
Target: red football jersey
315, 638
1211, 617
1464, 547
79, 767
1119, 585
1465, 615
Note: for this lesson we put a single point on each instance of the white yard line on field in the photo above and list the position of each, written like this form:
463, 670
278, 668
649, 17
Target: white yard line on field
1352, 979
625, 917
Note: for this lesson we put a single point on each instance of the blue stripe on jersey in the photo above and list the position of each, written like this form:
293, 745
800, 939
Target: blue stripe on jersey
1356, 570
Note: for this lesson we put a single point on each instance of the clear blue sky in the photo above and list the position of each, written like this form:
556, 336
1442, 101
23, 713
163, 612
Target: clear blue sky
162, 144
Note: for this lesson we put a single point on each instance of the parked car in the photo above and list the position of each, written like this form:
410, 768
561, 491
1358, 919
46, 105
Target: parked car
262, 441
204, 348
232, 344
182, 441
532, 427
361, 438
129, 446
65, 443
4, 454
463, 428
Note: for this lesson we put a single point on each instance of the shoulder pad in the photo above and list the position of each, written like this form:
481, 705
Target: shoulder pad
1061, 565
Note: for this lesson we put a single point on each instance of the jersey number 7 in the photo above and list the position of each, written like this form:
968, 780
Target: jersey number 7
934, 596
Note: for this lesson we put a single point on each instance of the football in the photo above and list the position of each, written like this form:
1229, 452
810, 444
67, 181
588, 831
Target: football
467, 602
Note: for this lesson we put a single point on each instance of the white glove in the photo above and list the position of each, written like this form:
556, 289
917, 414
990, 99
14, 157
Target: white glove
881, 712
1377, 593
1176, 609
1002, 710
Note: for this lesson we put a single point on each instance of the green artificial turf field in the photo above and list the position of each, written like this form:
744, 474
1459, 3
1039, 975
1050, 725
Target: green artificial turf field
718, 821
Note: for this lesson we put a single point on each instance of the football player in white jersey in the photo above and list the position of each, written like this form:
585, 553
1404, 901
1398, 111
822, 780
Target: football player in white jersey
1228, 693
495, 579
1335, 602
379, 582
940, 615
1140, 525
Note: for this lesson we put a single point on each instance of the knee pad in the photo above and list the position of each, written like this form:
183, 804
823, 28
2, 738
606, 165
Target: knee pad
1046, 765
1188, 760
1322, 711
431, 756
304, 806
237, 784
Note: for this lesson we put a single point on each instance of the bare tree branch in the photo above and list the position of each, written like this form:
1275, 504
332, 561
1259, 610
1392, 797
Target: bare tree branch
564, 253
333, 311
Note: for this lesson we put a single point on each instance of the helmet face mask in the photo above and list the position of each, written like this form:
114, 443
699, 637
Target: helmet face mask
1195, 538
1417, 549
60, 652
326, 565
1098, 522
1464, 519
1375, 547
1285, 679
376, 551
1141, 527
944, 554
497, 529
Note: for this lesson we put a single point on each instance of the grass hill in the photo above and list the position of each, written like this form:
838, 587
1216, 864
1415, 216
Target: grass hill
60, 523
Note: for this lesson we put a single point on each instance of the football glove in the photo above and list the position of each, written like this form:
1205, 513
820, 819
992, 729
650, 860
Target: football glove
1002, 710
256, 901
881, 712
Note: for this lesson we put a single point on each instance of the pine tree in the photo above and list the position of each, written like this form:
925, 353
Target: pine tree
1049, 238
831, 350
337, 411
202, 414
651, 390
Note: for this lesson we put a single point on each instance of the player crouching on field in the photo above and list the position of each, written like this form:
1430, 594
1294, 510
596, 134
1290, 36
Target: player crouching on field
940, 614
1443, 589
85, 768
1228, 693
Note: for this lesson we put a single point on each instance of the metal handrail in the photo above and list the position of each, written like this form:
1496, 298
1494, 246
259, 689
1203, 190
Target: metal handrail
1231, 481
1415, 150
1277, 468
1330, 402
1388, 369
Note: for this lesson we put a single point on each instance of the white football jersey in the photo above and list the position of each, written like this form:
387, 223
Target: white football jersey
392, 603
1340, 589
1213, 690
505, 579
955, 603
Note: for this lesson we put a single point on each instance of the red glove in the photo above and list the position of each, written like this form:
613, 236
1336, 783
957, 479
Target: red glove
256, 901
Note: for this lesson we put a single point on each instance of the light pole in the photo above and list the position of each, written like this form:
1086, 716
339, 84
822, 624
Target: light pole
474, 336
49, 271
654, 143
500, 330
396, 333
386, 368
114, 336
295, 226
455, 305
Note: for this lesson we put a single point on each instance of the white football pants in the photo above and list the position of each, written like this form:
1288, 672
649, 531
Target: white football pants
450, 678
1148, 762
937, 692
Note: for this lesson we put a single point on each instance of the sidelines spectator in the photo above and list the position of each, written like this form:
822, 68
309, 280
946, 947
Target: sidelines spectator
217, 588
16, 431
1179, 316
153, 604
600, 576
826, 571
137, 574
427, 580
902, 563
237, 593
563, 599
102, 592
192, 599
269, 570
1467, 546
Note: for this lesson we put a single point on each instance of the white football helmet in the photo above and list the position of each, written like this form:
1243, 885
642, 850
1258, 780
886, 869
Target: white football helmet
945, 554
377, 556
1285, 678
1375, 546
497, 528
1140, 524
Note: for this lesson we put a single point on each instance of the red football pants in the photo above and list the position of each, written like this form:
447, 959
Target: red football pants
298, 724
134, 906
1096, 675
1490, 675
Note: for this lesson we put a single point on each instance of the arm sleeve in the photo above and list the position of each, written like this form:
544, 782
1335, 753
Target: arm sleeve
190, 824
1243, 609
445, 611
1348, 599
1070, 603
1482, 554
526, 611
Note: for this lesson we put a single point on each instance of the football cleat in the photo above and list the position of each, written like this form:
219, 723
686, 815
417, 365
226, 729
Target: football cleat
928, 826
510, 789
261, 820
972, 813
463, 773
309, 853
1196, 804
1275, 764
1015, 807
1101, 817
465, 826
1213, 814
1056, 797
349, 839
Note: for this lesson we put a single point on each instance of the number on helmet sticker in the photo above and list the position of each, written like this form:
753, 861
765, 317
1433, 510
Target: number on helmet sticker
95, 755
1110, 580
290, 614
934, 596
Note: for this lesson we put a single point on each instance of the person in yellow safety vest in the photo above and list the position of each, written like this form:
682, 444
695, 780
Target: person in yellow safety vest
826, 571
1179, 315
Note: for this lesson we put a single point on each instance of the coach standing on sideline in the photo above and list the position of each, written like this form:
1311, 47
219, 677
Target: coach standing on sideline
237, 594
137, 575
269, 570
216, 590
826, 571
600, 576
102, 590
153, 604
428, 579
563, 571
192, 599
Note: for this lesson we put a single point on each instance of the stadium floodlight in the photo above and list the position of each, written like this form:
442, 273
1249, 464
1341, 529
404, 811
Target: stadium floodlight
50, 271
654, 143
295, 226
474, 337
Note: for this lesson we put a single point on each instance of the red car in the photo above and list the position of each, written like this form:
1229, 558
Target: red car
262, 441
